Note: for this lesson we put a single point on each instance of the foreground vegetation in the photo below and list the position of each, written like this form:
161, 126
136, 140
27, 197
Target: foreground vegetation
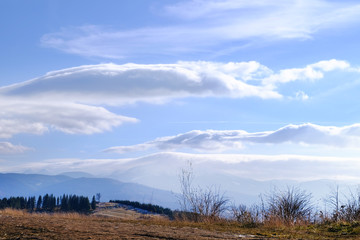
205, 214
282, 214
20, 224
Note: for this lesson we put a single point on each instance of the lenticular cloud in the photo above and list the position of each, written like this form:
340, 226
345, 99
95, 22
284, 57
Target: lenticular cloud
128, 83
212, 140
119, 84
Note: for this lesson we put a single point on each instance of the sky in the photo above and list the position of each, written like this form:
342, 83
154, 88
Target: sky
261, 89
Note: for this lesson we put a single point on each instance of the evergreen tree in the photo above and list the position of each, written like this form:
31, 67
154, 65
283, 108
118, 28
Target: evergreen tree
46, 203
52, 203
64, 206
39, 203
3, 203
84, 204
93, 203
32, 203
28, 203
22, 201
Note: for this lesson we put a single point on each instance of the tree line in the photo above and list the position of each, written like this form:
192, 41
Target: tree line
146, 206
50, 203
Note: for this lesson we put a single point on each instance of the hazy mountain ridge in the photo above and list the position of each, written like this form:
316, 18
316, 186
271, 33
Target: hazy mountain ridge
15, 184
237, 189
162, 170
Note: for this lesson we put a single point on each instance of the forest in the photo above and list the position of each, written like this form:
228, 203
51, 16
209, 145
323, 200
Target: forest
50, 203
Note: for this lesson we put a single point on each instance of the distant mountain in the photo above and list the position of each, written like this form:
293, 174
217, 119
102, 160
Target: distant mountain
162, 170
77, 174
14, 184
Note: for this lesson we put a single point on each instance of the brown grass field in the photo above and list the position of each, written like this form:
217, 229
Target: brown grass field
125, 224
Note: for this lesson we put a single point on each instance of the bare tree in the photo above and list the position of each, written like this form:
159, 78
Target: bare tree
203, 204
98, 197
186, 178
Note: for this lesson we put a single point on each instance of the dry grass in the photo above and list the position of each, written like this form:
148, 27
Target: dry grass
125, 224
124, 214
21, 225
24, 213
13, 212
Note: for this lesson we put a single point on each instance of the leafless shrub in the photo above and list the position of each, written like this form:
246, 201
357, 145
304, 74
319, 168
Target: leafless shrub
333, 200
249, 217
290, 206
350, 211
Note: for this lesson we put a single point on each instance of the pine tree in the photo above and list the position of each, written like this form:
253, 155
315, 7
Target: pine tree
32, 203
93, 203
46, 203
39, 203
64, 203
52, 203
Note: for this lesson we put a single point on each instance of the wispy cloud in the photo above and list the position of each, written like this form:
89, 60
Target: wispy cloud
213, 140
39, 117
300, 95
207, 25
9, 148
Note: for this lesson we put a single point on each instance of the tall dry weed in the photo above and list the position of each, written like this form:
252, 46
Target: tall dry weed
13, 212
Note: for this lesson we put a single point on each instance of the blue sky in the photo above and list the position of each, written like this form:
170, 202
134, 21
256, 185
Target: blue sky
85, 83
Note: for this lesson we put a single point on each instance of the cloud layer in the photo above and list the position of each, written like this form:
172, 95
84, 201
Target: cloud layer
212, 140
161, 169
74, 100
204, 26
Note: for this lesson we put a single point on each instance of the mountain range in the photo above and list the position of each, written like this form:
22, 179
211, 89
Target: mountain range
238, 190
15, 184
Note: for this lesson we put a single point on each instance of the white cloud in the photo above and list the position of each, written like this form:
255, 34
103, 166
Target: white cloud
9, 148
119, 84
300, 95
330, 65
212, 140
38, 117
68, 100
310, 72
205, 25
